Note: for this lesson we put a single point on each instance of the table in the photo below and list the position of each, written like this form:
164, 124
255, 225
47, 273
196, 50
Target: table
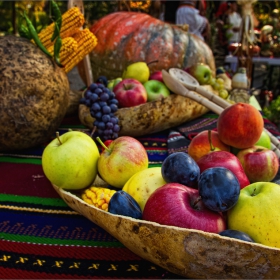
42, 238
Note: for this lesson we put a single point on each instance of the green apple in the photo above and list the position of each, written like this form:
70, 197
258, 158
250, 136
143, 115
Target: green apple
113, 83
257, 213
264, 140
142, 184
202, 73
70, 160
138, 71
156, 90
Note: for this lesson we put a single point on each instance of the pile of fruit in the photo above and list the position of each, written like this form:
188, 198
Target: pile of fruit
137, 86
222, 184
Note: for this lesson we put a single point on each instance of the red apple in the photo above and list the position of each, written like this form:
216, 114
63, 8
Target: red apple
157, 75
260, 164
130, 92
240, 125
227, 160
200, 145
177, 205
124, 157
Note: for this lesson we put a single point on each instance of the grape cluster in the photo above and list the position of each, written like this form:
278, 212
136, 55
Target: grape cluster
103, 105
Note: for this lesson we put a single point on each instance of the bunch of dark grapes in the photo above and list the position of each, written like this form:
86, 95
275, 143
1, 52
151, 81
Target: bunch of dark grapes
103, 105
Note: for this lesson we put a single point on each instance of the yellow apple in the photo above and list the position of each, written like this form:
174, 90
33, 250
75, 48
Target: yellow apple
257, 213
142, 184
70, 160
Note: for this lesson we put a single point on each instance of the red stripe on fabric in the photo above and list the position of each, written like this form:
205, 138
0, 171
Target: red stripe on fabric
76, 252
25, 179
11, 273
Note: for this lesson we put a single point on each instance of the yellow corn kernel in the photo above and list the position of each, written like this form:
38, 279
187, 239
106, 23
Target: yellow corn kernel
72, 21
86, 43
98, 197
69, 45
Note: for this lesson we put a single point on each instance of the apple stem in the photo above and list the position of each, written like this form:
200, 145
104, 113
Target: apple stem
196, 201
57, 136
212, 148
102, 144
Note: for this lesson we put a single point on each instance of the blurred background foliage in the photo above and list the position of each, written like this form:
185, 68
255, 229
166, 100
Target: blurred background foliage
38, 12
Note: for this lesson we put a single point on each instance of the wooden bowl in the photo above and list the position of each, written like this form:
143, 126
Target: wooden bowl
186, 252
153, 116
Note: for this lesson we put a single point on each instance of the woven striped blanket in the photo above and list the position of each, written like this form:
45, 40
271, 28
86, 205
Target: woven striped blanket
42, 238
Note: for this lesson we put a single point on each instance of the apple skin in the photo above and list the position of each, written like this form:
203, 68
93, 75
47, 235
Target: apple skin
264, 140
200, 145
72, 164
156, 90
173, 205
201, 72
260, 164
142, 184
113, 83
240, 125
227, 160
124, 157
157, 75
257, 213
130, 92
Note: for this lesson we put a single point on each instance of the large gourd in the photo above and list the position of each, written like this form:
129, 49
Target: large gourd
127, 37
34, 95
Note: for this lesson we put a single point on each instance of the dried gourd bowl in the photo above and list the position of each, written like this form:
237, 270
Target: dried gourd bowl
186, 252
152, 116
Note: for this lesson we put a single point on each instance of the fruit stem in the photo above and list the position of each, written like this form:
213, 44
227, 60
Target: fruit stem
196, 201
102, 144
57, 136
212, 148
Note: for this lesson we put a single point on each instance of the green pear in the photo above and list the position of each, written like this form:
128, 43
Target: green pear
257, 213
138, 71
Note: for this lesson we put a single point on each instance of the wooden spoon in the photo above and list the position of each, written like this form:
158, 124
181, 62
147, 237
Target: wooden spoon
192, 84
178, 88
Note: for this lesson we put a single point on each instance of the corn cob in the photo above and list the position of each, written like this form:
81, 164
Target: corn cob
72, 21
86, 43
98, 197
69, 45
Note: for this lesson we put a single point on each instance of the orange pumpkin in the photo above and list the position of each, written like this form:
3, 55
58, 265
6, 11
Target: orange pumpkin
127, 37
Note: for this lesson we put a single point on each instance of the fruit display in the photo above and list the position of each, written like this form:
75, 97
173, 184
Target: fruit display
34, 94
128, 37
203, 204
152, 116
